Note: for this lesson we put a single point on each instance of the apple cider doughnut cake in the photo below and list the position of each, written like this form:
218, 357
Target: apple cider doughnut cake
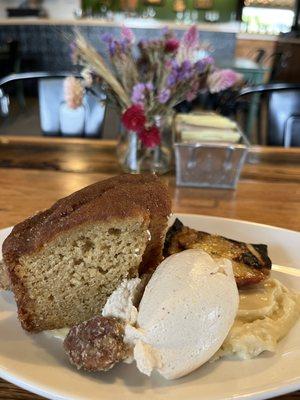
64, 262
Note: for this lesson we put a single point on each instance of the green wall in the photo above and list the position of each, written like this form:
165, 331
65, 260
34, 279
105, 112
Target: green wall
225, 8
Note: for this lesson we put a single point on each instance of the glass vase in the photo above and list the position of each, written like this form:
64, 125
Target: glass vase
135, 157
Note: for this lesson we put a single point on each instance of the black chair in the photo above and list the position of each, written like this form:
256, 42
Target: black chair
279, 63
9, 57
19, 77
10, 63
50, 89
283, 112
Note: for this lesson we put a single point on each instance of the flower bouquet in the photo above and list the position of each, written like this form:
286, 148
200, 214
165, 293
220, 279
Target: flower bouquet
147, 80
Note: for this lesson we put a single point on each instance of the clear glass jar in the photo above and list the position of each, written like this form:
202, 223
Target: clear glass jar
134, 157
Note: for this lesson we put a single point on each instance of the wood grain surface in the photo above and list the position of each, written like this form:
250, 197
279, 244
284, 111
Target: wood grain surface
35, 172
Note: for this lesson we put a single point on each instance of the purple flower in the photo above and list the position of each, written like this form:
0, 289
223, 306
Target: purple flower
138, 93
127, 35
190, 38
202, 64
174, 64
164, 96
110, 42
174, 68
172, 78
165, 30
107, 38
149, 86
112, 47
122, 45
186, 65
185, 70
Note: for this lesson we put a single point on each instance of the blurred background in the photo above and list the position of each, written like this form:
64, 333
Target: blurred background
258, 38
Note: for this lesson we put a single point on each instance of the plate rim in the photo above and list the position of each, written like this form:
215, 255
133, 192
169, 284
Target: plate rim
269, 391
243, 221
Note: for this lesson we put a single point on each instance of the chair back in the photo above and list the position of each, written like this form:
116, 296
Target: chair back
284, 118
56, 117
283, 111
9, 57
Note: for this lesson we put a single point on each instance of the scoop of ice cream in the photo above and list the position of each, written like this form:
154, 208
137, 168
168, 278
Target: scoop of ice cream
186, 312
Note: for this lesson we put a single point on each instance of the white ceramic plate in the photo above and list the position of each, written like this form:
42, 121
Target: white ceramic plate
37, 363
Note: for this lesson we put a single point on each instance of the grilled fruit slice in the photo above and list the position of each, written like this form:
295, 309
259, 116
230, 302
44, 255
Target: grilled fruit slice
250, 262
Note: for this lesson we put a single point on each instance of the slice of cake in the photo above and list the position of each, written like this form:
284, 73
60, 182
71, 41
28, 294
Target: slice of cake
64, 262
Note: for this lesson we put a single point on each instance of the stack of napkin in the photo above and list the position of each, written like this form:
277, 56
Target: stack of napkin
206, 127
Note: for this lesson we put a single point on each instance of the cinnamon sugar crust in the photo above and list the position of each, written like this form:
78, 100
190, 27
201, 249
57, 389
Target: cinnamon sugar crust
144, 190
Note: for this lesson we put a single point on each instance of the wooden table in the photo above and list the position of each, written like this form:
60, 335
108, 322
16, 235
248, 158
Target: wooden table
34, 172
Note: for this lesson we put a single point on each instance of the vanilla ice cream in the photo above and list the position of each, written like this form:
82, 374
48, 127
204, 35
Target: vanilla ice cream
186, 312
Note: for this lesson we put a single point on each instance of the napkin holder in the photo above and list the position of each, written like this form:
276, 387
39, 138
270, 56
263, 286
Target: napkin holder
206, 164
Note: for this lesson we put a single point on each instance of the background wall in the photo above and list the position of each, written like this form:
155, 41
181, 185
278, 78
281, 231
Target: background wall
45, 47
225, 8
63, 9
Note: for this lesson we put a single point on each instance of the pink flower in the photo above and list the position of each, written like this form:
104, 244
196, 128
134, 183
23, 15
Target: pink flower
127, 34
134, 118
171, 45
150, 137
191, 95
73, 92
222, 79
190, 38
